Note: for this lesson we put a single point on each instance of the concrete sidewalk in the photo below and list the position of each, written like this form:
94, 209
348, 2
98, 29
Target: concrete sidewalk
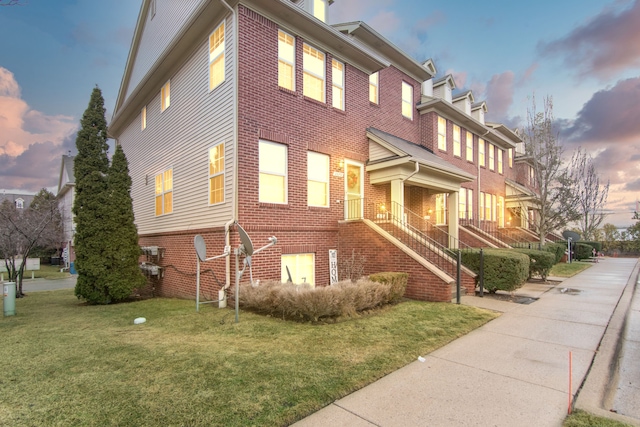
513, 371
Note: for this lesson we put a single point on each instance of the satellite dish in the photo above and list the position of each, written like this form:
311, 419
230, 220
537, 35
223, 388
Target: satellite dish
568, 234
246, 241
201, 247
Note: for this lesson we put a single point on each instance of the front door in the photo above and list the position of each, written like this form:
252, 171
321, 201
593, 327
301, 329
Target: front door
353, 189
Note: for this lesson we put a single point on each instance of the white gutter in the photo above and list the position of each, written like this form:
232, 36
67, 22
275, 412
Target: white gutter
412, 173
234, 215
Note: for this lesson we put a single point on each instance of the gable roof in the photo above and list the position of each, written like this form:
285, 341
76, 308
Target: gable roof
448, 79
66, 179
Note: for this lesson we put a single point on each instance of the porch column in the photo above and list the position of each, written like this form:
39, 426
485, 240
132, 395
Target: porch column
397, 196
453, 219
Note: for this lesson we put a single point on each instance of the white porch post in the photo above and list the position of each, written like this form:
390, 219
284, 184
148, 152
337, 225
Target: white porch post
397, 196
453, 219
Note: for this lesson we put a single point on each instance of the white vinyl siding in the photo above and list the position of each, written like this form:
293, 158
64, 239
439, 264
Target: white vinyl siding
407, 100
216, 57
313, 77
273, 172
182, 139
286, 61
337, 79
317, 179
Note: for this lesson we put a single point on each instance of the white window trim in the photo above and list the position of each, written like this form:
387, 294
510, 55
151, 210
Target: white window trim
327, 181
408, 102
173, 187
293, 64
297, 255
215, 58
492, 157
223, 173
462, 203
469, 146
470, 203
482, 158
457, 143
165, 96
376, 85
333, 85
323, 77
500, 160
443, 133
286, 173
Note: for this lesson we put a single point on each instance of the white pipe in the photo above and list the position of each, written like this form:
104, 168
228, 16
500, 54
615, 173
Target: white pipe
412, 173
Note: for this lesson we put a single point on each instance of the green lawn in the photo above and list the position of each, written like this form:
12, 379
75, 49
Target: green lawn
66, 363
564, 269
584, 419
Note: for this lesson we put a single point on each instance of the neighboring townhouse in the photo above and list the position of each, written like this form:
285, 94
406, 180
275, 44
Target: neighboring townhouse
21, 200
66, 196
257, 112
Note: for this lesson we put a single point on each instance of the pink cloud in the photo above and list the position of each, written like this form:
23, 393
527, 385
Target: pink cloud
605, 45
500, 90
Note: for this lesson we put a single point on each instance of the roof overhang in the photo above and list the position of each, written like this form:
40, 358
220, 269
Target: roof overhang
368, 35
452, 112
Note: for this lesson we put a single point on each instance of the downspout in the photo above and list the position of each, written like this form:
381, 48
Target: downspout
234, 215
412, 173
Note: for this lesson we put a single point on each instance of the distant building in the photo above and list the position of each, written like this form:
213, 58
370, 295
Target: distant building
66, 195
21, 200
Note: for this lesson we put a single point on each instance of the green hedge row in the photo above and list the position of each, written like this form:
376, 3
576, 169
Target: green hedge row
504, 269
582, 251
596, 245
540, 262
557, 248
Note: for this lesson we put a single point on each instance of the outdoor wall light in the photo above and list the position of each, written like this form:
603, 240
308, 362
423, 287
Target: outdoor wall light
383, 208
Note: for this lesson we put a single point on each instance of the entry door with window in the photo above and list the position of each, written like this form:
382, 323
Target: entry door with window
353, 189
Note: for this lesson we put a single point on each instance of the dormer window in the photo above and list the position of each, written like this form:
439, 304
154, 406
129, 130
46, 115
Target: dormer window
19, 204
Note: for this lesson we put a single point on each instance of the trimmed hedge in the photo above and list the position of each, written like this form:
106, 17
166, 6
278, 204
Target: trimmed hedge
540, 262
582, 251
504, 269
596, 245
397, 283
558, 249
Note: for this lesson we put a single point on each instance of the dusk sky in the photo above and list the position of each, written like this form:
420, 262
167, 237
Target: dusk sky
583, 53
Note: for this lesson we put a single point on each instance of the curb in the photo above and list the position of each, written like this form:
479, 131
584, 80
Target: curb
597, 392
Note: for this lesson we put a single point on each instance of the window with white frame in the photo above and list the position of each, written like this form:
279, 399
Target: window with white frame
510, 157
374, 88
165, 96
441, 208
407, 100
216, 57
462, 204
481, 206
286, 60
481, 146
470, 147
164, 192
143, 118
500, 211
298, 268
442, 134
337, 79
313, 73
273, 172
19, 203
216, 174
500, 154
317, 179
470, 203
487, 206
456, 141
492, 160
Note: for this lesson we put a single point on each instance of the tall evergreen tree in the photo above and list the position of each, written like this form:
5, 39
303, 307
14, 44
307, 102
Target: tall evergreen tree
125, 273
91, 204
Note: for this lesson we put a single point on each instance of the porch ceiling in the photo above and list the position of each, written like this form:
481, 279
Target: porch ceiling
393, 158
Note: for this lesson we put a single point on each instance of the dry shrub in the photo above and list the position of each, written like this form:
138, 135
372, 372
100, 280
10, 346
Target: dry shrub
343, 299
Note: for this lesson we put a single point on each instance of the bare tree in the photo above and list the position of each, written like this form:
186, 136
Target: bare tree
591, 194
11, 3
20, 231
557, 204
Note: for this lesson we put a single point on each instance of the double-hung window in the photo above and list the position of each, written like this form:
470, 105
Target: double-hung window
462, 204
164, 192
456, 141
510, 157
216, 174
165, 96
481, 206
299, 268
487, 206
374, 88
500, 154
286, 60
441, 208
273, 172
216, 57
442, 134
492, 160
470, 147
407, 100
317, 179
470, 203
313, 73
481, 146
337, 79
143, 118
